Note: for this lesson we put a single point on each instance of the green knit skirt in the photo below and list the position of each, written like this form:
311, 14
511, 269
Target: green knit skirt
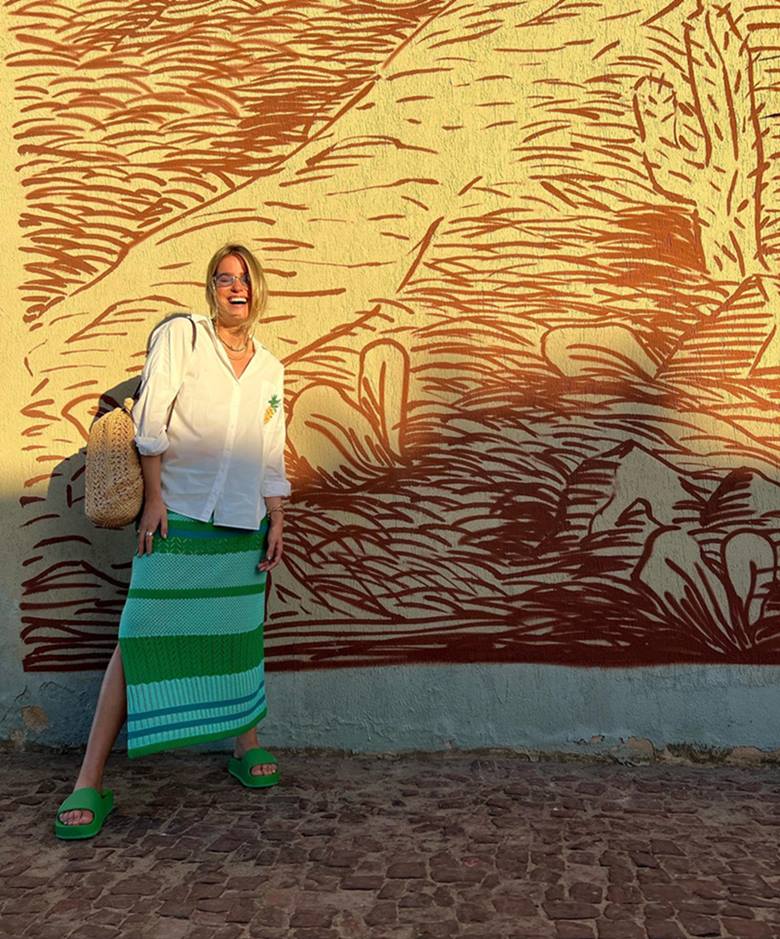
191, 636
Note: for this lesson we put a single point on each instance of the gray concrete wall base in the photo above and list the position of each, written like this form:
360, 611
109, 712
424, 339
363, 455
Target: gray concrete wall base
633, 715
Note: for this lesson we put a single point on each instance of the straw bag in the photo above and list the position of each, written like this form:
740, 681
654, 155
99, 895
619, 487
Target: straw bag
114, 483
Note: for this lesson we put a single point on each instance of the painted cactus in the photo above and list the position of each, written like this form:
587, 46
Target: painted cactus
343, 436
721, 601
702, 144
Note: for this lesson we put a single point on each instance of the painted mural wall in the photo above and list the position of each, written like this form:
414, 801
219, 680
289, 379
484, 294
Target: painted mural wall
524, 262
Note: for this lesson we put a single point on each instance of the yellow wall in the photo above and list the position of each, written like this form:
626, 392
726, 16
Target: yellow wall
523, 264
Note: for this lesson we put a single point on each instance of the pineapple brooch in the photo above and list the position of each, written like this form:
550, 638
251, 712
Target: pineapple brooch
273, 407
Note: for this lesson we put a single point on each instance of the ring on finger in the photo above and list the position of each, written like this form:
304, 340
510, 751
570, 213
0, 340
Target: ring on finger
150, 534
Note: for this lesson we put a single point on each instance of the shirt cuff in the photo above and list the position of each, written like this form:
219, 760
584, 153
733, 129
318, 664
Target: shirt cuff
152, 446
280, 488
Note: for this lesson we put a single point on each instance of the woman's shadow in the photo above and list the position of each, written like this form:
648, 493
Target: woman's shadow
75, 575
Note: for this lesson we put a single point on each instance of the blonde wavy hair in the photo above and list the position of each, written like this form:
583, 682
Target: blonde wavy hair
259, 291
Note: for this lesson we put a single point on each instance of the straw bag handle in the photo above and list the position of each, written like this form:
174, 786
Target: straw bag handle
137, 394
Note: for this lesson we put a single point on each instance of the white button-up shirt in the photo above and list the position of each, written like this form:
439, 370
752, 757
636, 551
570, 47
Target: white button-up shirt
221, 437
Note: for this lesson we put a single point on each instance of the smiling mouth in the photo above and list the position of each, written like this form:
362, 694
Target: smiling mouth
237, 301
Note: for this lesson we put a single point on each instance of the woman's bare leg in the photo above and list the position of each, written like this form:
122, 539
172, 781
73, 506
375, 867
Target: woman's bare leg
109, 716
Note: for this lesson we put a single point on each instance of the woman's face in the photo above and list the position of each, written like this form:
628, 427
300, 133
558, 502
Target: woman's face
233, 296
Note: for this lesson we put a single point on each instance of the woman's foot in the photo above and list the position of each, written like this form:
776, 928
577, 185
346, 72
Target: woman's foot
80, 816
249, 741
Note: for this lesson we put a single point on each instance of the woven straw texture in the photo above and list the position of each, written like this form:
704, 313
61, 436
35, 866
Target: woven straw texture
114, 484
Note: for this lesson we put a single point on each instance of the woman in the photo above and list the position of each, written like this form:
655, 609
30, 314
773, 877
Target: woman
210, 431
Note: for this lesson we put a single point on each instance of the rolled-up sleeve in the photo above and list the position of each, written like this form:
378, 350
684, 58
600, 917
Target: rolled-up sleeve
169, 348
275, 481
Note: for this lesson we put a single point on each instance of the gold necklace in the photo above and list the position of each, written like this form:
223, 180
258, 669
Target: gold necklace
239, 355
241, 349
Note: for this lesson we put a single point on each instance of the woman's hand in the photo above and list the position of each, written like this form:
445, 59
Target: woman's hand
275, 547
153, 516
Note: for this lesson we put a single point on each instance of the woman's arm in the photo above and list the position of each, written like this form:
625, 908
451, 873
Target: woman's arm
154, 515
170, 347
275, 534
275, 484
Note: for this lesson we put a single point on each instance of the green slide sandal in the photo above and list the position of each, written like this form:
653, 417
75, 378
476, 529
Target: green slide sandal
85, 800
242, 769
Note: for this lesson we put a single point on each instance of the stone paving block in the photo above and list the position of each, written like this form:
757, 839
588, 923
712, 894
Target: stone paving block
606, 929
708, 889
384, 913
438, 930
663, 929
584, 858
418, 901
25, 882
105, 917
472, 912
443, 896
94, 931
230, 931
514, 906
586, 892
206, 890
625, 894
674, 893
212, 905
45, 931
362, 882
178, 909
199, 932
420, 917
530, 932
321, 880
392, 890
456, 875
208, 917
659, 912
699, 925
167, 929
115, 901
309, 919
25, 904
407, 869
614, 911
250, 883
573, 930
570, 909
13, 924
661, 846
270, 918
742, 929
136, 886
700, 905
240, 911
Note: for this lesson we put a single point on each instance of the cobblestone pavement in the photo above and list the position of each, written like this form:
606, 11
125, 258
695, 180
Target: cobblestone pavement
410, 847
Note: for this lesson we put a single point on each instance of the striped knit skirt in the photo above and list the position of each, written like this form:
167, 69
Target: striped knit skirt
191, 636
